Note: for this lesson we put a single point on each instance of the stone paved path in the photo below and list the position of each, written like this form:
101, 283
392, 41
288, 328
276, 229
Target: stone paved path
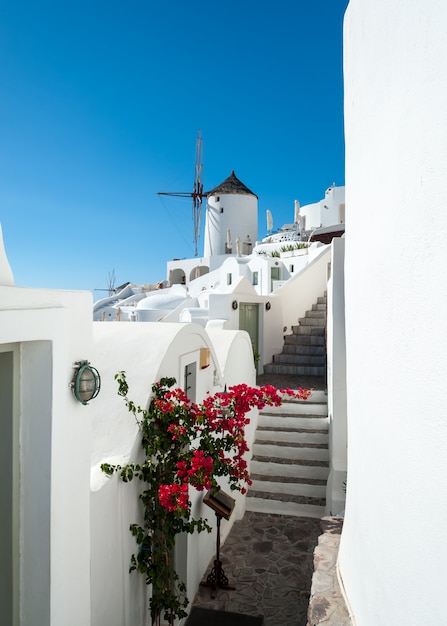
269, 559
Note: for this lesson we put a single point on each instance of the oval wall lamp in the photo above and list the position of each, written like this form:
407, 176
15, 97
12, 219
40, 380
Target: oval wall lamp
268, 306
86, 382
234, 304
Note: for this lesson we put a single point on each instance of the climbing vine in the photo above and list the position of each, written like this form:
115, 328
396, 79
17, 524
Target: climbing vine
186, 445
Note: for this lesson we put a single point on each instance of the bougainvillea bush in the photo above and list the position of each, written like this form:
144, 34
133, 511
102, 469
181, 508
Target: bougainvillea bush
186, 445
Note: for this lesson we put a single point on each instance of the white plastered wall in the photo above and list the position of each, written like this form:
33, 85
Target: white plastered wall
303, 289
146, 352
49, 331
237, 212
393, 548
336, 380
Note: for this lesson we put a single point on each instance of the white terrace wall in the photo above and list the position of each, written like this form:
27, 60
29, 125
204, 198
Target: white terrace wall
394, 547
336, 380
303, 289
42, 333
146, 352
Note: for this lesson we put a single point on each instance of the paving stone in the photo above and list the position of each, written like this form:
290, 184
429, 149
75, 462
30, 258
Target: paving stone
325, 558
321, 582
275, 575
276, 579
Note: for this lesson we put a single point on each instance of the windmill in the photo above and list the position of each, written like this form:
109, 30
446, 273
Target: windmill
110, 283
197, 193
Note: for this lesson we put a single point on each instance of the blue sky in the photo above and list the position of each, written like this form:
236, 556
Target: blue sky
100, 107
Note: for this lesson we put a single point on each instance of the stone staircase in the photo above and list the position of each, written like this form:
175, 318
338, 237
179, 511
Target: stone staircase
290, 463
304, 351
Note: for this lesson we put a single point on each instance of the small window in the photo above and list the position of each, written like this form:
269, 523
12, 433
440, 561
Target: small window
217, 198
221, 209
255, 278
229, 279
291, 268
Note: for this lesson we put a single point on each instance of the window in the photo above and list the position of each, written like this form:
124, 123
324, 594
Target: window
255, 278
229, 279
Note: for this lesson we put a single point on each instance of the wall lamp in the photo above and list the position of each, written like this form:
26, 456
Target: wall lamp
86, 382
234, 305
268, 306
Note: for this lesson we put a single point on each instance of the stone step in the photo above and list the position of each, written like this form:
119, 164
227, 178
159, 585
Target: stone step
290, 453
311, 321
299, 359
304, 340
295, 348
303, 437
318, 314
302, 490
287, 497
309, 330
294, 370
284, 443
319, 307
322, 300
289, 461
286, 471
318, 396
279, 424
261, 505
300, 409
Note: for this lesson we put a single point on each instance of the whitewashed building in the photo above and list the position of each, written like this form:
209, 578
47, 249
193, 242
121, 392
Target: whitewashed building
65, 543
394, 545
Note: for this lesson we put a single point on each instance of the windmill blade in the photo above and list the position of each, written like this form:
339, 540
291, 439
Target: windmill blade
197, 193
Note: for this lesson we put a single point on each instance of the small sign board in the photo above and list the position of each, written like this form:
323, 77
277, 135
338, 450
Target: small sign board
221, 503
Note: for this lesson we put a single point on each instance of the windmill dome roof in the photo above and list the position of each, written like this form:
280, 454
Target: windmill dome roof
232, 184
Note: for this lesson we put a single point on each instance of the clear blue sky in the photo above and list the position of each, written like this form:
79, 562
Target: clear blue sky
100, 107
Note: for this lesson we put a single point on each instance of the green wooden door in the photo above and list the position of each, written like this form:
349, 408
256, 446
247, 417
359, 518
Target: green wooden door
249, 321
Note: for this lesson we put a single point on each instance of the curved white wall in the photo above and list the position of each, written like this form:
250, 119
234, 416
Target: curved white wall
393, 548
239, 213
146, 352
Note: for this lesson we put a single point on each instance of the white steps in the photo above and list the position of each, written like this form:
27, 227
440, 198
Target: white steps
290, 463
304, 351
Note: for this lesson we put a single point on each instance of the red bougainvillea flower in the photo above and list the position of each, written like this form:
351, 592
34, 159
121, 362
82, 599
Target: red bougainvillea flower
221, 420
174, 497
176, 431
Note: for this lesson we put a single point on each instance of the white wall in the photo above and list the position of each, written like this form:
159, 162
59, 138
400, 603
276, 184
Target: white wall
393, 548
146, 352
239, 213
336, 380
312, 215
50, 330
303, 289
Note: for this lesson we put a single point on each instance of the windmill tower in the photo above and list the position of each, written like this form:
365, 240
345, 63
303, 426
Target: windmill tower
231, 212
231, 215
